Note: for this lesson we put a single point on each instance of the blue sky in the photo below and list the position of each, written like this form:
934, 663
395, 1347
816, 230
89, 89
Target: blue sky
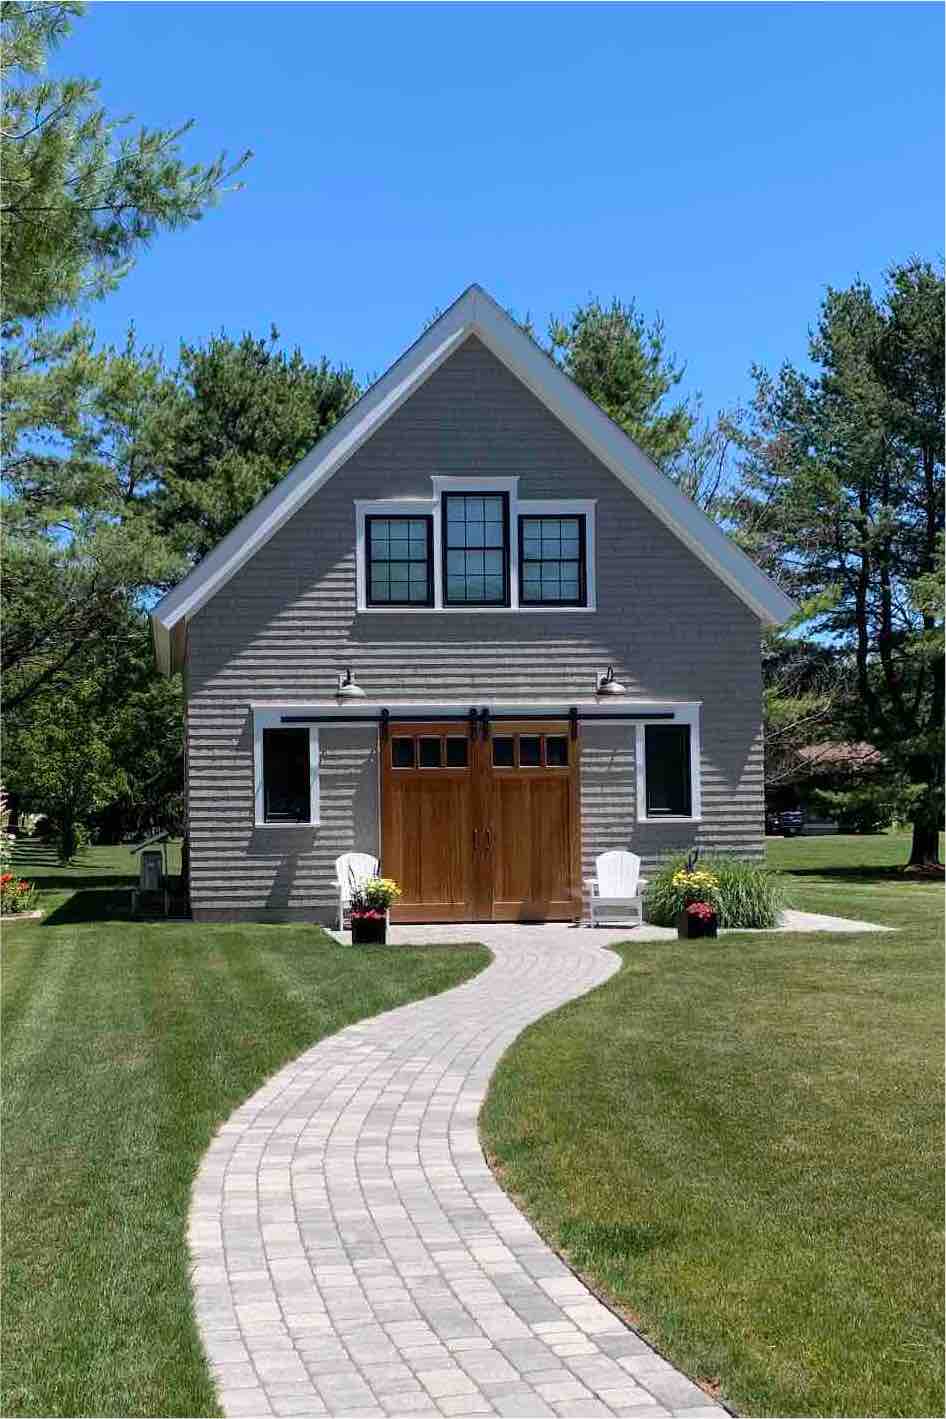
720, 163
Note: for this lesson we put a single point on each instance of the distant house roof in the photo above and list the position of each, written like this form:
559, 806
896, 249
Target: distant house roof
832, 756
474, 313
149, 842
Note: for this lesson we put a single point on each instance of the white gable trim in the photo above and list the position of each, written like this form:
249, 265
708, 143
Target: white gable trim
474, 313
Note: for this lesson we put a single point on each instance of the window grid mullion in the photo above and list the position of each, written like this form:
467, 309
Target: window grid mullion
475, 536
380, 560
547, 540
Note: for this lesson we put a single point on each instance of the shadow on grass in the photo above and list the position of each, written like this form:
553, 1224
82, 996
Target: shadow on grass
41, 863
863, 875
51, 883
35, 854
87, 906
114, 905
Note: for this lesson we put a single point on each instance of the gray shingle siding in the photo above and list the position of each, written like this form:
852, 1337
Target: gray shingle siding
286, 623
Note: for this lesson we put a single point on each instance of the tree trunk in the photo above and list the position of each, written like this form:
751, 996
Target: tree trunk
925, 849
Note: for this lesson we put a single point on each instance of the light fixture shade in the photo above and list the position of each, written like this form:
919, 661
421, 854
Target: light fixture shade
347, 689
607, 685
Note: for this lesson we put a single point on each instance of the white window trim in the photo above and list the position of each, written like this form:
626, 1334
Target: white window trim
562, 507
431, 507
388, 507
272, 719
683, 714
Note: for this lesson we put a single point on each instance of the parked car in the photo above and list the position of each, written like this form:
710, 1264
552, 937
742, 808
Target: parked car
787, 822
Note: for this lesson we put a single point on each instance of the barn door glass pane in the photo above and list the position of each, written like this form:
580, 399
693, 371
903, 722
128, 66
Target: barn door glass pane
504, 753
456, 753
556, 751
429, 756
402, 753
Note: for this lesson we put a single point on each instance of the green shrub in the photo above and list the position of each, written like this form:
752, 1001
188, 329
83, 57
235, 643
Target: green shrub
748, 894
866, 809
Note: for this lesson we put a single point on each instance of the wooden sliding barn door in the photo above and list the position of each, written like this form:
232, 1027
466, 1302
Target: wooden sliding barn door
427, 816
484, 827
532, 859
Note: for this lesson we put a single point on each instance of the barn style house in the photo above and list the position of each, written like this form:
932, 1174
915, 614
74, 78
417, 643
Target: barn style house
475, 633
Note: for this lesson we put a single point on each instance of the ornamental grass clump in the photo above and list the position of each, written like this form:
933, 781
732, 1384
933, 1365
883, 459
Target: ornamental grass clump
745, 894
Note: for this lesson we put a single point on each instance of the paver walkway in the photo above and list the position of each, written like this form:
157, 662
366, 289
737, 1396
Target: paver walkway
354, 1255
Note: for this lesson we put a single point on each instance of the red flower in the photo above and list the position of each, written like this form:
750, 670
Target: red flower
703, 910
7, 877
368, 914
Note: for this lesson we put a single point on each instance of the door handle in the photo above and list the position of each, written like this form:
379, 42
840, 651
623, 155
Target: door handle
476, 838
489, 839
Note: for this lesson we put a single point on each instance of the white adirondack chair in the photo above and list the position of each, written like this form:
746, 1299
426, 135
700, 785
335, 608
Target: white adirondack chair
616, 889
352, 866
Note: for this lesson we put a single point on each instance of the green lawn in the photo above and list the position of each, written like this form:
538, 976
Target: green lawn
739, 1142
124, 1045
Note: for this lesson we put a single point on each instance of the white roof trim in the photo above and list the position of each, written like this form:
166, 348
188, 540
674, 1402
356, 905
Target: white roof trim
475, 312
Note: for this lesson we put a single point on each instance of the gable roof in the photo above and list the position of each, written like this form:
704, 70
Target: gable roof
474, 313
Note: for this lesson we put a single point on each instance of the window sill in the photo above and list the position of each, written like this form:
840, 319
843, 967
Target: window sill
474, 610
290, 826
669, 821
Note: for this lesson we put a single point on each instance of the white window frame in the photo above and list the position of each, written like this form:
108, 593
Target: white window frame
683, 714
562, 507
273, 719
432, 507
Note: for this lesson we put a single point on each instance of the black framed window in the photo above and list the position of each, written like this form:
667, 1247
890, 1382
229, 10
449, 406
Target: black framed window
287, 788
552, 561
669, 791
475, 549
400, 561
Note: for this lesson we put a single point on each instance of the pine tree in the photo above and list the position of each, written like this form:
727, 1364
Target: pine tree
621, 362
246, 413
842, 497
80, 195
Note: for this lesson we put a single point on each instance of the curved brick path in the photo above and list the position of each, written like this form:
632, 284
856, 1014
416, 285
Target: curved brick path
353, 1255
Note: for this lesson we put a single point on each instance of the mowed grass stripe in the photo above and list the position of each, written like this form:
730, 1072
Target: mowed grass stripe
132, 1042
85, 1126
740, 1142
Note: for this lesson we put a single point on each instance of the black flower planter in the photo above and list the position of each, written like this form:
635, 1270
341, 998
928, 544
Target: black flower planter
368, 930
689, 927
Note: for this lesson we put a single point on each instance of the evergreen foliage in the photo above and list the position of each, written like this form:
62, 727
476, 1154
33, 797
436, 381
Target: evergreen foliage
80, 195
621, 361
245, 413
842, 498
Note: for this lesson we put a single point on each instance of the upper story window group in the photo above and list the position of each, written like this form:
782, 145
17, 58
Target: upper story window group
475, 546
